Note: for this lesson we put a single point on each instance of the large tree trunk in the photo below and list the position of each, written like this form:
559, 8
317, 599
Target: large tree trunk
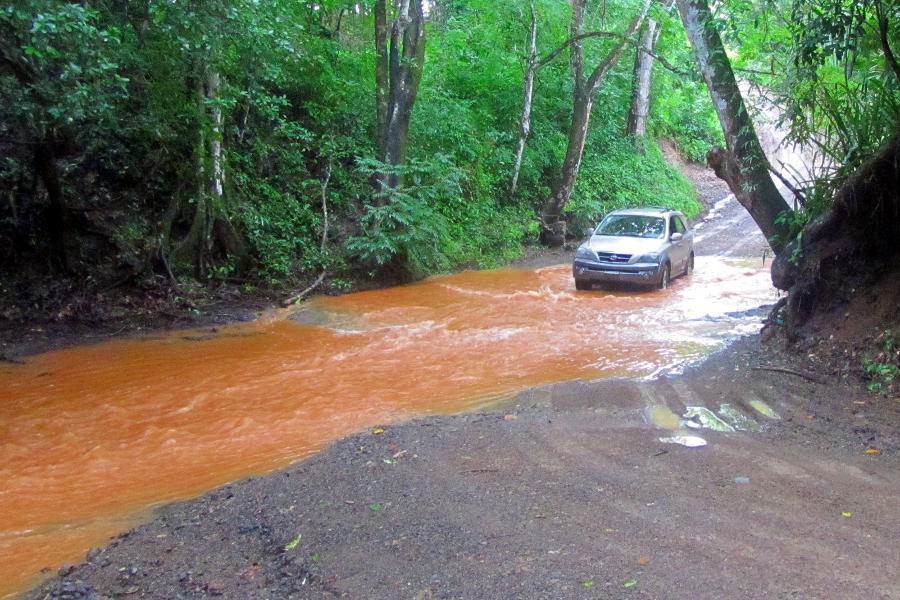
398, 69
211, 233
643, 78
525, 118
743, 166
553, 227
59, 226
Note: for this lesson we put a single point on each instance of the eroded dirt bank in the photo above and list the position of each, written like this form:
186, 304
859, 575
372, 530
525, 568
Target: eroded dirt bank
565, 492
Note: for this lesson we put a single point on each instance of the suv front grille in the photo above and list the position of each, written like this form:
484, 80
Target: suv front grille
613, 258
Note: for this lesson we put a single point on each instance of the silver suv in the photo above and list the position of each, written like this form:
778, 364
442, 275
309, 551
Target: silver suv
636, 245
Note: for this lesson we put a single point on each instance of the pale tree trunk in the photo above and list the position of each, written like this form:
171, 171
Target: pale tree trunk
217, 175
195, 247
743, 166
525, 118
643, 78
553, 227
400, 57
210, 228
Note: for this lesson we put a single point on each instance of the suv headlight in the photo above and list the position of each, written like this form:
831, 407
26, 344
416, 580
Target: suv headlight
652, 257
585, 252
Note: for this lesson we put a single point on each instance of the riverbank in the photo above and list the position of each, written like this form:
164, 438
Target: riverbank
564, 491
100, 319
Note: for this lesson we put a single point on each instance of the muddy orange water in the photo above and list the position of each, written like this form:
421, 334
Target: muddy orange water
92, 437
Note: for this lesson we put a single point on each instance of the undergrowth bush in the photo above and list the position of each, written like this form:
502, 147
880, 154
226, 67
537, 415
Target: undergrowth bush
624, 177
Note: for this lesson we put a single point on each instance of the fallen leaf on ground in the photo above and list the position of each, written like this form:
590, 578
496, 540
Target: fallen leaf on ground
629, 583
399, 454
510, 417
846, 514
587, 583
643, 560
873, 451
375, 506
294, 543
378, 431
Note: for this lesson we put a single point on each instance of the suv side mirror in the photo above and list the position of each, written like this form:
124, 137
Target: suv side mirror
677, 236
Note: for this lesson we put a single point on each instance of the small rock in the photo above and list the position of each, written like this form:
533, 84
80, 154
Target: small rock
66, 570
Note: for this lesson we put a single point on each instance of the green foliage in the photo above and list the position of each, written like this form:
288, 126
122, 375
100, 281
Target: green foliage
883, 371
623, 177
119, 91
66, 65
839, 95
402, 222
681, 110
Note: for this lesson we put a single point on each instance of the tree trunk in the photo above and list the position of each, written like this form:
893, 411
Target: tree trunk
382, 73
743, 166
398, 70
211, 233
195, 248
217, 174
58, 221
525, 118
553, 227
643, 77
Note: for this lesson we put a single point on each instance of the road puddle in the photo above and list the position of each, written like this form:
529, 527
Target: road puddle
91, 438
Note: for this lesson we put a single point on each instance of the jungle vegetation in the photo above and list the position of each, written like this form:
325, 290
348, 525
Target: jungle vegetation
279, 142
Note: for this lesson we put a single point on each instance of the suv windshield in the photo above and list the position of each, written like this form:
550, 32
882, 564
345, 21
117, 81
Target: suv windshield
632, 226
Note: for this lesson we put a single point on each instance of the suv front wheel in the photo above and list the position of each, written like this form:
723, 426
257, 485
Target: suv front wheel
666, 275
689, 265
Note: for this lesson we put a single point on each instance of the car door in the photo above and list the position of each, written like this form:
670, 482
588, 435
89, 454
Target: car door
680, 249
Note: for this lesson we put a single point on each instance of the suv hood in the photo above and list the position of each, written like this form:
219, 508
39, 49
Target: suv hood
624, 245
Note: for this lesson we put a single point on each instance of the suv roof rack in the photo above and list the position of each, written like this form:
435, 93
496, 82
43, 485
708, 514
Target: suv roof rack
647, 208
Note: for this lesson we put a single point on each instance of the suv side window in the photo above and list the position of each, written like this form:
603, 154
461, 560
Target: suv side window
680, 223
676, 225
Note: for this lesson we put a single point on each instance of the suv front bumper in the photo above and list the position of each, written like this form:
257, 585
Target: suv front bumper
639, 273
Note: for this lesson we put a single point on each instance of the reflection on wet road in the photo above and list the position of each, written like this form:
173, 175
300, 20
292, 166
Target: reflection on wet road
91, 437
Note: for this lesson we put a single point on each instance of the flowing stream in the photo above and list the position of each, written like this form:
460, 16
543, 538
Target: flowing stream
91, 438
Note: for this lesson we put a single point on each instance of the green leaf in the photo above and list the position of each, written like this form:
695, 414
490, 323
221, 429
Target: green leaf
628, 584
294, 543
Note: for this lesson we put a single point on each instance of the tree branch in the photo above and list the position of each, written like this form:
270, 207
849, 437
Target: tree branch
889, 57
755, 72
324, 190
665, 63
573, 40
800, 196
